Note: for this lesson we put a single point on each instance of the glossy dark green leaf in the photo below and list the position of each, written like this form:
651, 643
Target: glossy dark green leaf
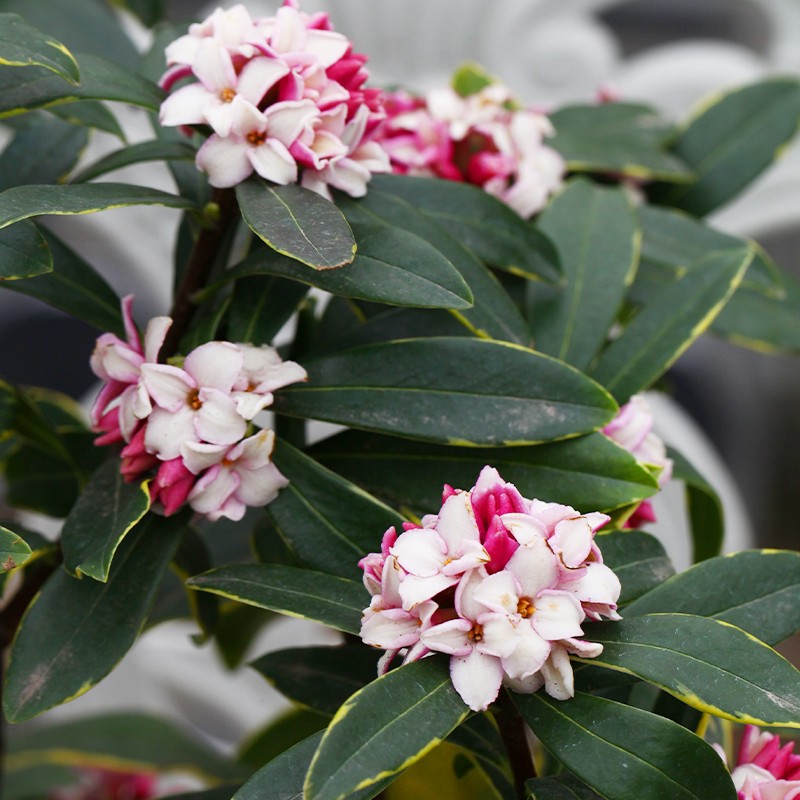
106, 512
756, 590
482, 223
260, 307
731, 141
672, 240
328, 522
493, 314
156, 150
638, 559
706, 515
22, 202
43, 151
320, 678
560, 787
450, 390
73, 286
84, 26
76, 631
620, 138
14, 550
148, 11
224, 792
121, 740
709, 664
384, 728
23, 252
22, 45
624, 753
662, 330
596, 236
298, 223
40, 780
589, 473
283, 777
763, 323
100, 80
391, 266
337, 602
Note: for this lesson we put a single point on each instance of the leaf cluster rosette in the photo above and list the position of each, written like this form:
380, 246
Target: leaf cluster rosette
499, 582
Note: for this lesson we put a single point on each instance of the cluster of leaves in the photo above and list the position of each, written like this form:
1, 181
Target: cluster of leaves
425, 352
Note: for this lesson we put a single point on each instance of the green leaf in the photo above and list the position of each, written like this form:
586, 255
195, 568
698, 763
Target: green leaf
43, 151
23, 253
22, 45
706, 515
620, 138
148, 11
756, 590
662, 330
76, 631
493, 314
638, 559
450, 390
333, 601
391, 266
14, 550
731, 140
105, 513
89, 114
283, 777
155, 150
595, 234
298, 223
84, 26
672, 240
327, 521
30, 783
482, 223
560, 787
319, 678
22, 202
625, 753
470, 79
100, 80
763, 323
384, 728
118, 740
73, 286
709, 664
260, 307
588, 473
480, 737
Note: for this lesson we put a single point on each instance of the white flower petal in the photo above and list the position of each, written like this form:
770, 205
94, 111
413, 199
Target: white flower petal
216, 420
185, 106
557, 674
477, 679
529, 655
225, 161
167, 431
214, 365
213, 489
457, 521
558, 615
258, 76
168, 386
535, 567
420, 551
449, 637
199, 456
274, 162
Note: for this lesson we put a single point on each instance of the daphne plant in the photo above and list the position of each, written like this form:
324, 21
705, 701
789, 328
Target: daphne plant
477, 294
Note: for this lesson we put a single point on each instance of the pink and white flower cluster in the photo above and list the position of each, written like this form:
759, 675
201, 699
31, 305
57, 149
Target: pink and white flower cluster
187, 426
632, 429
282, 95
105, 784
483, 138
766, 769
500, 583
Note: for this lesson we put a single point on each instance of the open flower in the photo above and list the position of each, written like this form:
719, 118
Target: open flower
186, 428
283, 96
483, 137
500, 583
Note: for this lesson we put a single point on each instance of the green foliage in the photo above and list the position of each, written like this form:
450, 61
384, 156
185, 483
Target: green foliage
446, 333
